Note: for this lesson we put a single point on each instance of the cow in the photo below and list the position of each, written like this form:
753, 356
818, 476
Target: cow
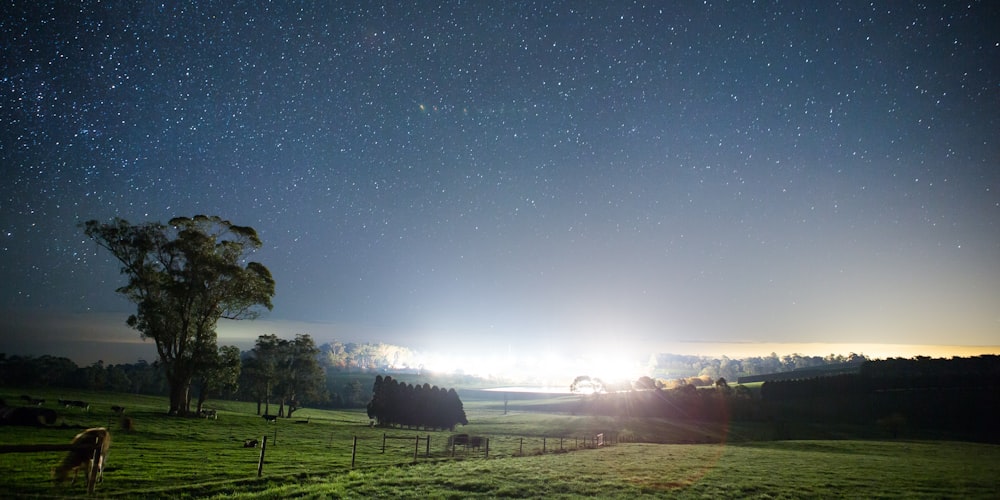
33, 401
250, 443
83, 455
212, 414
79, 404
270, 418
27, 415
458, 440
476, 442
118, 409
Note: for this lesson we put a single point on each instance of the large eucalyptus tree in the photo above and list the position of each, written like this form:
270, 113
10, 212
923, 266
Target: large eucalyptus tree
183, 277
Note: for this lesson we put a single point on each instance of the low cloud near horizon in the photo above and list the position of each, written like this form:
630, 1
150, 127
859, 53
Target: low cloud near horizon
88, 337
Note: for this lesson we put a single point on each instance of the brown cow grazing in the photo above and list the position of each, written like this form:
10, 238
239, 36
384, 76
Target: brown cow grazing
83, 457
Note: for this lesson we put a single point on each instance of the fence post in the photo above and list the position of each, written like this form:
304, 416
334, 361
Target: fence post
543, 445
95, 467
560, 444
354, 451
383, 443
521, 448
416, 448
427, 453
260, 463
487, 448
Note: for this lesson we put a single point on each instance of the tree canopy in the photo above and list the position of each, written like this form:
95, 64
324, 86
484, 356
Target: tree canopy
430, 407
183, 277
286, 369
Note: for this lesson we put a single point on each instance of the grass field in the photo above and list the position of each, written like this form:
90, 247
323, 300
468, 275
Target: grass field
196, 458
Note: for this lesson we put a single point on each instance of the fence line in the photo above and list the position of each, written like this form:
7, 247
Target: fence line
487, 445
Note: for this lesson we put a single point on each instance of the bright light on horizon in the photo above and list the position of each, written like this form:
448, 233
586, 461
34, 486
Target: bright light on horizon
546, 368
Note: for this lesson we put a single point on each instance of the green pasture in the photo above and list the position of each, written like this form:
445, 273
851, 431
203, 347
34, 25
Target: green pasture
531, 454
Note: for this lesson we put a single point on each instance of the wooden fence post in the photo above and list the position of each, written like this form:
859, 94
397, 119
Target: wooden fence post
487, 448
95, 467
427, 453
383, 443
260, 463
543, 445
354, 451
521, 448
416, 448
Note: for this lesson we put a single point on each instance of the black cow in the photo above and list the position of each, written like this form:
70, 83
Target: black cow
476, 442
79, 404
33, 401
25, 415
458, 440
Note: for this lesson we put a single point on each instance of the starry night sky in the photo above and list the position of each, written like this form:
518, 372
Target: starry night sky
518, 175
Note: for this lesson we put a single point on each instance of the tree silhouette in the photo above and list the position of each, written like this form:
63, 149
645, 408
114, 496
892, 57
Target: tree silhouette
425, 406
221, 373
183, 277
299, 375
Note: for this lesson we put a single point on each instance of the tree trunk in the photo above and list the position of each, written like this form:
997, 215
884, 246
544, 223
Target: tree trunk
202, 395
178, 397
258, 406
281, 408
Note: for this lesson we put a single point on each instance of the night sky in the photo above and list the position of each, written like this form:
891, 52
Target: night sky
513, 176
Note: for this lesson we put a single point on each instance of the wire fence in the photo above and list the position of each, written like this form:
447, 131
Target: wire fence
369, 451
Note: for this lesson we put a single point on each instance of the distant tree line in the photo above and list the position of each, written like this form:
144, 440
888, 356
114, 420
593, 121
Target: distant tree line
290, 373
920, 397
719, 402
954, 398
52, 371
690, 369
430, 407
